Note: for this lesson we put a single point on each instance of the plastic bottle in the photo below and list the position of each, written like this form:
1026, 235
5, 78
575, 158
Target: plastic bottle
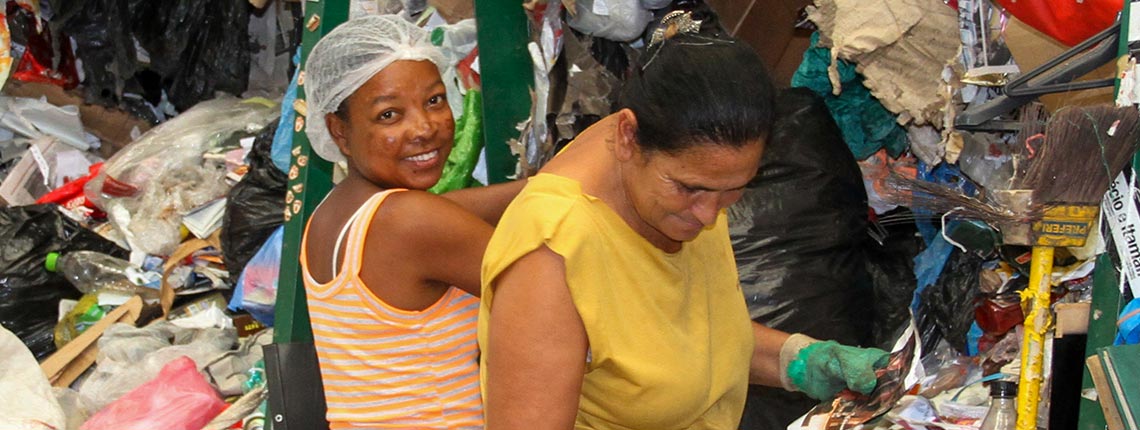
91, 272
1003, 407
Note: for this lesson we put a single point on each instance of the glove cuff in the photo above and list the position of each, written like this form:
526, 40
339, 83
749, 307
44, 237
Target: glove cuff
788, 352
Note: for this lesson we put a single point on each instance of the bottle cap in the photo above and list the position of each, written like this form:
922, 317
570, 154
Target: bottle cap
1003, 389
50, 261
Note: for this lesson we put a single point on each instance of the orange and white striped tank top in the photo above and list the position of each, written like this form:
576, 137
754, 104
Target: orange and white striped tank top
384, 367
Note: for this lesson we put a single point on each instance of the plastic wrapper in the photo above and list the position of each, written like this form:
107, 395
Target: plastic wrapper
946, 369
255, 206
178, 398
29, 294
468, 142
798, 234
258, 282
129, 357
619, 20
148, 185
86, 313
45, 59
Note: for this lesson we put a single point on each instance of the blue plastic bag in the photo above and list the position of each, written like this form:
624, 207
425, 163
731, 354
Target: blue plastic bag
256, 290
283, 139
1129, 324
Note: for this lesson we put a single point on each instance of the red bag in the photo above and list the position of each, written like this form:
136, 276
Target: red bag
1068, 21
179, 398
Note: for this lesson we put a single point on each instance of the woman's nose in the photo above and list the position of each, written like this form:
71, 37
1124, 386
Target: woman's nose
705, 209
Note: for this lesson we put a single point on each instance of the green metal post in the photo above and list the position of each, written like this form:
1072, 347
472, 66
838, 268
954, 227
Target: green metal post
1106, 294
1102, 329
310, 179
508, 78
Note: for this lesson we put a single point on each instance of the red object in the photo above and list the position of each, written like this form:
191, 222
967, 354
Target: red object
469, 77
36, 65
1068, 21
71, 189
179, 398
996, 317
116, 188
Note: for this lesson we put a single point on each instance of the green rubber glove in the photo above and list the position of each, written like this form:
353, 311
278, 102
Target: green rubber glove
823, 369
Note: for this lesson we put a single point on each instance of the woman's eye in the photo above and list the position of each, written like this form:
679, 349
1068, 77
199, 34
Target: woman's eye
434, 100
387, 115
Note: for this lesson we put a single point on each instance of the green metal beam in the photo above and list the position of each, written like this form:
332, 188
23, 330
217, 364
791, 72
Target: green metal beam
508, 78
310, 179
1106, 303
1102, 330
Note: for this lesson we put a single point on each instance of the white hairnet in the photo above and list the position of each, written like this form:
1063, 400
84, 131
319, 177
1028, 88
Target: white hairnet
348, 57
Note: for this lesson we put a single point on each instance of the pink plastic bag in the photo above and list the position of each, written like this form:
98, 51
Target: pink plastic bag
179, 398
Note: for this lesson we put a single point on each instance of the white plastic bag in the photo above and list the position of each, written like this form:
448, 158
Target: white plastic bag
620, 20
29, 403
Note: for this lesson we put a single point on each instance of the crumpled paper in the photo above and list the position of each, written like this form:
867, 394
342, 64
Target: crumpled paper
902, 47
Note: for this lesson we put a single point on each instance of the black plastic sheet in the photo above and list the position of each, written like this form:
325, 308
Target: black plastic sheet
198, 47
254, 207
29, 294
891, 266
102, 33
799, 235
946, 309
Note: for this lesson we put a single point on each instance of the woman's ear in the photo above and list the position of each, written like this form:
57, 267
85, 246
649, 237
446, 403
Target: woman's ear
625, 135
338, 129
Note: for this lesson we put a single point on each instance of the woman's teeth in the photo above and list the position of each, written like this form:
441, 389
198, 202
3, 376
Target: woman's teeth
425, 156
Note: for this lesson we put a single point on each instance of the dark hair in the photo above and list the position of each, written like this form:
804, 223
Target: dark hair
696, 89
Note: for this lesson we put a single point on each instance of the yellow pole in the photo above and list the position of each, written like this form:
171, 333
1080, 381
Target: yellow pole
1033, 344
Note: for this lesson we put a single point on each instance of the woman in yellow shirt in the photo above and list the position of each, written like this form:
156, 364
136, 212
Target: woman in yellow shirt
610, 293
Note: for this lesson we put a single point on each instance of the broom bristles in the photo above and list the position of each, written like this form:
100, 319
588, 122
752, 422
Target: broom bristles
1084, 148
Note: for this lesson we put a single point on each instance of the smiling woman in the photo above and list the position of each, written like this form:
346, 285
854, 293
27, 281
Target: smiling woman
391, 272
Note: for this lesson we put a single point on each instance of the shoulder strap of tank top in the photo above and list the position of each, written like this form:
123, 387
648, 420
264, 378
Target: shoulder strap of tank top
356, 229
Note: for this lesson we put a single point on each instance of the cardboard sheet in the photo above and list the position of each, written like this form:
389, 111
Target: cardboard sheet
901, 47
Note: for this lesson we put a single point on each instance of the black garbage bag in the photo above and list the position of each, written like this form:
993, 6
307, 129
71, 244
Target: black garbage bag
29, 294
799, 234
946, 309
890, 262
102, 33
254, 207
198, 47
216, 54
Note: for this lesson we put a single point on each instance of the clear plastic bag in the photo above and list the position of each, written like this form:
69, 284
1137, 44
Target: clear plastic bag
178, 398
129, 356
149, 185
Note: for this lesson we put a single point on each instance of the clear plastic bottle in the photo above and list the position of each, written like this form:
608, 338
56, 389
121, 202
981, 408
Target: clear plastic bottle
91, 271
1003, 407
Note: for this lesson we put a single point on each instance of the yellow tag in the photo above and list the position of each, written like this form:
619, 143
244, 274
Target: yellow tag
1065, 226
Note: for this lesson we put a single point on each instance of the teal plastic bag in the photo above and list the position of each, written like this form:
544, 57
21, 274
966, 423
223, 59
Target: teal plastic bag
866, 125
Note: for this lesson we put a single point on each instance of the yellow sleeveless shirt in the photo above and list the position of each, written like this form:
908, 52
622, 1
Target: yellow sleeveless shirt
670, 339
